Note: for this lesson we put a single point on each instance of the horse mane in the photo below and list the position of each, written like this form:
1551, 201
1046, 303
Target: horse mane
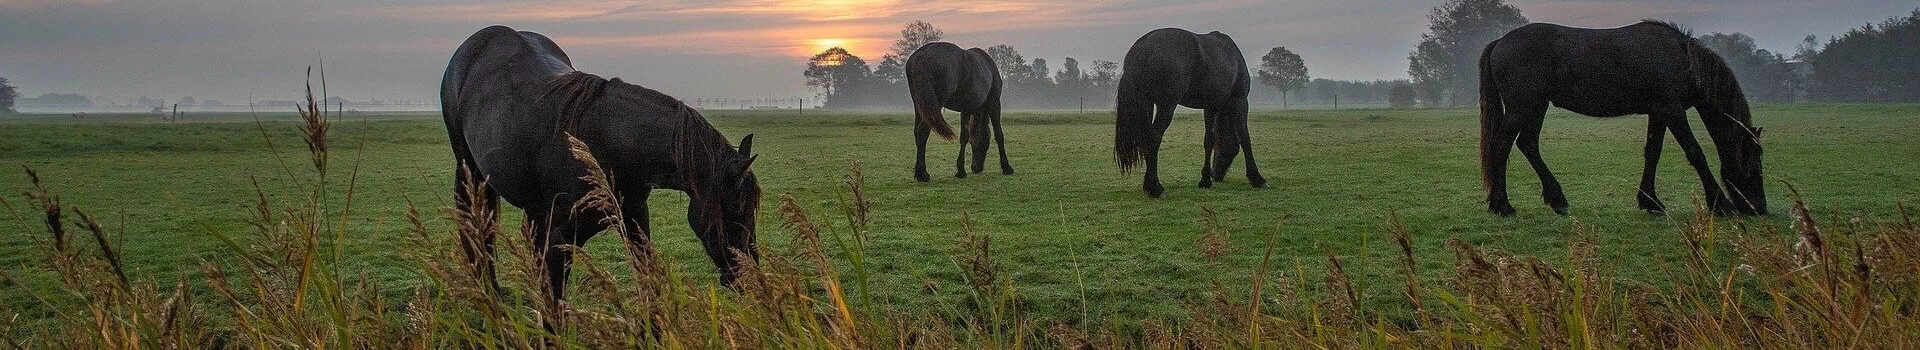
692, 131
1677, 28
566, 98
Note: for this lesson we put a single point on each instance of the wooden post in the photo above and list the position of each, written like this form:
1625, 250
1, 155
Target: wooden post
1336, 101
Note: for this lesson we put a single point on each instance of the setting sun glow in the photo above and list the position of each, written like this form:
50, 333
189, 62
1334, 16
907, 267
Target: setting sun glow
827, 43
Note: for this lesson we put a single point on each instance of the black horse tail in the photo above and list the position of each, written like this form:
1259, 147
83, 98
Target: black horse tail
1132, 130
1492, 116
926, 109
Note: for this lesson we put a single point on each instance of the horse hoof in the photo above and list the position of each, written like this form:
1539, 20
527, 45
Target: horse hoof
922, 177
1502, 209
1006, 171
1206, 184
1154, 191
1653, 206
960, 174
1257, 182
1560, 210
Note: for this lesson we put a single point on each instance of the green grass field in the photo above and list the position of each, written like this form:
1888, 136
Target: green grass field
1076, 237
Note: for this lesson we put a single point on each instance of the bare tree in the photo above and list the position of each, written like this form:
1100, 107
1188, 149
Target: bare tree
892, 66
1284, 71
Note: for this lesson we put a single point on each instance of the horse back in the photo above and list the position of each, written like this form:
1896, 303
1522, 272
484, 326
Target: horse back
488, 97
1636, 69
959, 79
1179, 67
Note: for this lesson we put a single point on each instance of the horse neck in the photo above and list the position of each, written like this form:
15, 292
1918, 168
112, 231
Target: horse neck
699, 154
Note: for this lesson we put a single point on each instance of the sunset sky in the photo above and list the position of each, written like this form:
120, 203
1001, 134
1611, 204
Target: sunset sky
224, 49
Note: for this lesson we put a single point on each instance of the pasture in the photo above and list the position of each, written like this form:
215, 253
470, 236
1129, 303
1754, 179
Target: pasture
1076, 238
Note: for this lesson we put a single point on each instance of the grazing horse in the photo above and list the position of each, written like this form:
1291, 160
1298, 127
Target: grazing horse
1650, 68
941, 75
510, 100
1172, 66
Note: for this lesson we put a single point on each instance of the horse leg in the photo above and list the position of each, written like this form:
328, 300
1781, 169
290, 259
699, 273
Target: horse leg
983, 138
1162, 118
549, 231
1529, 143
1246, 146
1656, 135
1206, 148
633, 205
1496, 167
920, 133
966, 135
1683, 133
479, 255
1000, 137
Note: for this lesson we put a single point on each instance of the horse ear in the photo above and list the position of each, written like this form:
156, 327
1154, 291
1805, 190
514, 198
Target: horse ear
740, 169
746, 145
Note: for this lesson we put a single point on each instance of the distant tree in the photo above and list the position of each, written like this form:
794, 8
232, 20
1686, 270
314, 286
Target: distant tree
188, 101
1763, 75
1069, 76
1871, 64
892, 68
1104, 74
51, 100
1012, 66
7, 94
148, 102
835, 70
1445, 65
1284, 71
1040, 71
212, 103
1808, 47
1401, 96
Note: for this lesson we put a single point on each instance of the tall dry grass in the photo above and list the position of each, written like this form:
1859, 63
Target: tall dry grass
1833, 283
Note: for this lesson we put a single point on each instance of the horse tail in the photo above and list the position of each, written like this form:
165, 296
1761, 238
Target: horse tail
1132, 129
1492, 116
926, 108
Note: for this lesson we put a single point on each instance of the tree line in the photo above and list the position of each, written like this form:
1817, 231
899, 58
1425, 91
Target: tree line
845, 80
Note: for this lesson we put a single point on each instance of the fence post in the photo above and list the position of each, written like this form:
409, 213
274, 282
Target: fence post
1336, 101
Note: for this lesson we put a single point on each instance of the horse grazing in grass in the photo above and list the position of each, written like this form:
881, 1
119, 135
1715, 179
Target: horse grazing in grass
510, 100
1650, 68
1169, 67
941, 75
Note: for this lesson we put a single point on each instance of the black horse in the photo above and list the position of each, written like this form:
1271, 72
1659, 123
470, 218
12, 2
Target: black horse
1650, 68
510, 98
941, 75
1172, 66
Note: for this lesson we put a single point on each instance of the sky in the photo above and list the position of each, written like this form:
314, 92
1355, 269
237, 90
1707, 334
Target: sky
397, 50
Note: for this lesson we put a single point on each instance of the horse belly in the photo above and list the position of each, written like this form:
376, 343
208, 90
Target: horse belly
503, 155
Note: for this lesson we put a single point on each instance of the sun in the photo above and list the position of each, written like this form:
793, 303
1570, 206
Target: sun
823, 44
